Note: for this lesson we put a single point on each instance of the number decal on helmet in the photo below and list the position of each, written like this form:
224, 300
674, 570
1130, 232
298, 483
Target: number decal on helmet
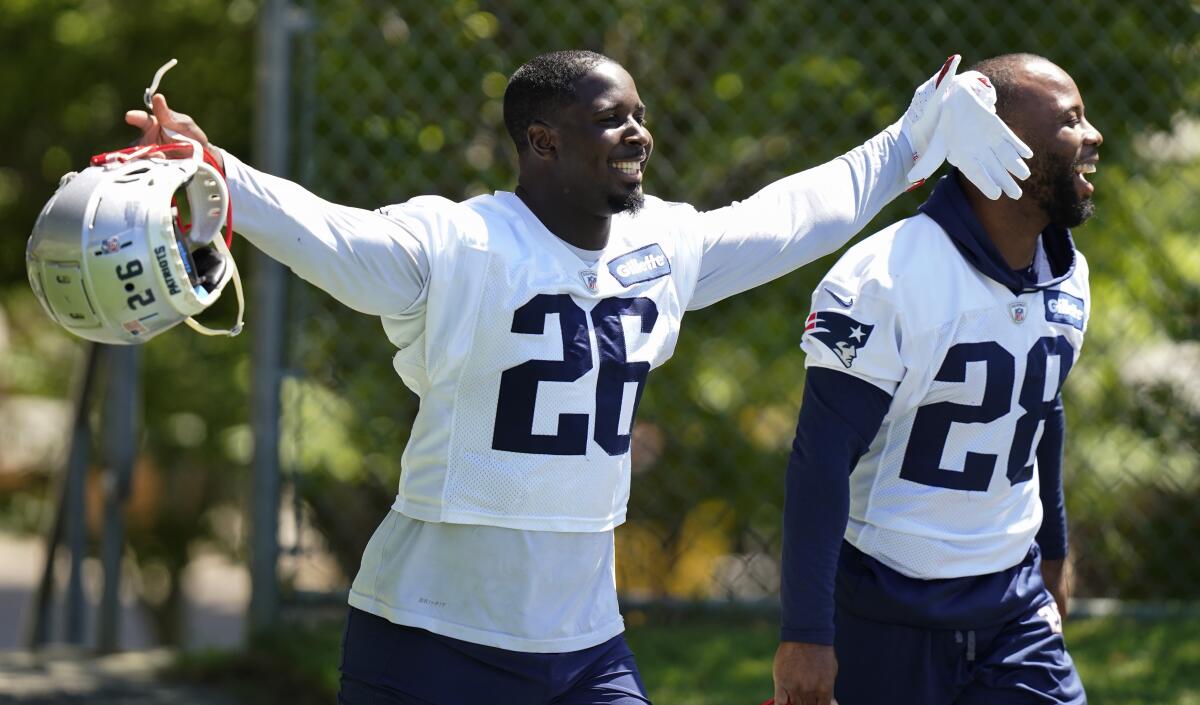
132, 269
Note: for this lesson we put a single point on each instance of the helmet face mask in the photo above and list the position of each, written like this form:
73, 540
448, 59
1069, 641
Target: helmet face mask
111, 260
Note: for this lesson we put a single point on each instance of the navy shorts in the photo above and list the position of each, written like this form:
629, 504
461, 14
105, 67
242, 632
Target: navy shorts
1021, 661
389, 664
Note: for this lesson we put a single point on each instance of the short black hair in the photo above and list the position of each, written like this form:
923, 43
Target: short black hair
1004, 72
543, 84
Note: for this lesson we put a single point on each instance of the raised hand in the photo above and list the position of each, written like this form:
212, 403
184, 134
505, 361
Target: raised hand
920, 120
953, 118
155, 126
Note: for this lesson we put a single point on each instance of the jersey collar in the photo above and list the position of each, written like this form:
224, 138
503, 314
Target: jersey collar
948, 207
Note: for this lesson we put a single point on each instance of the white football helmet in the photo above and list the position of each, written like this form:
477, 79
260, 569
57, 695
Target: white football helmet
110, 257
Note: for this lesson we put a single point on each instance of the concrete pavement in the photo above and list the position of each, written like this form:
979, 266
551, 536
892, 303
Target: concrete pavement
66, 677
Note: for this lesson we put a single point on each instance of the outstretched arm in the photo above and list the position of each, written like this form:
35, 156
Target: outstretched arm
811, 214
371, 263
799, 218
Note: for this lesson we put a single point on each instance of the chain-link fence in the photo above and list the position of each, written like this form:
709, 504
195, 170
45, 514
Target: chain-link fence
396, 99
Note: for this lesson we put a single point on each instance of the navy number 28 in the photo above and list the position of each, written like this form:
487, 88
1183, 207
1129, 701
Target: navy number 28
931, 427
518, 385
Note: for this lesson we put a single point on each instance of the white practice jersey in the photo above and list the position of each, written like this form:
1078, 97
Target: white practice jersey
949, 486
532, 364
529, 362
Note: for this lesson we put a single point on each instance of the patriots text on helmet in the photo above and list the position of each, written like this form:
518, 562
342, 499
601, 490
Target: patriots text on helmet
160, 254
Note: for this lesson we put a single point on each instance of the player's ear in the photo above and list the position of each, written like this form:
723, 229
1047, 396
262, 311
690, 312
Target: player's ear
543, 140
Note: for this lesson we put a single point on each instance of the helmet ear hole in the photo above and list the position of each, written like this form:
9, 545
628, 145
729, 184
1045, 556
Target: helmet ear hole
210, 267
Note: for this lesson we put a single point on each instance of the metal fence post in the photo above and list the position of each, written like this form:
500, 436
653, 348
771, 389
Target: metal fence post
271, 152
68, 519
121, 433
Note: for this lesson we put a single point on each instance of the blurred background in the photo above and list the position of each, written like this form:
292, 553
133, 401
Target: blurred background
231, 485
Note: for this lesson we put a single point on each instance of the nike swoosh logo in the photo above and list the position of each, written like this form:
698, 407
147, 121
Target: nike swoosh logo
845, 302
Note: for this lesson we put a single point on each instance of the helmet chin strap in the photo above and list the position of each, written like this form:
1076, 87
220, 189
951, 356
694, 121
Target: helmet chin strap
149, 94
202, 329
217, 242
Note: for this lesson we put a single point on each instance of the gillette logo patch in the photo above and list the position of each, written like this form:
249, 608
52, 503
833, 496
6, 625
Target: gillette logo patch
641, 265
1061, 307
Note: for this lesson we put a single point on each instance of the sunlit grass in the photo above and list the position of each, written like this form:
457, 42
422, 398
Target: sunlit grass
727, 661
706, 663
1132, 662
1121, 661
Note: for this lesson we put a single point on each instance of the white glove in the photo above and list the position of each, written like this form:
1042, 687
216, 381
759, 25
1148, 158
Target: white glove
953, 118
923, 113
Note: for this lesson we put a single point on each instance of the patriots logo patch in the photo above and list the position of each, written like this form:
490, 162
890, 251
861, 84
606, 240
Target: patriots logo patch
839, 332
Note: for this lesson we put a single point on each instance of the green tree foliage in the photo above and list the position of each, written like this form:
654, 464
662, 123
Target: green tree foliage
71, 70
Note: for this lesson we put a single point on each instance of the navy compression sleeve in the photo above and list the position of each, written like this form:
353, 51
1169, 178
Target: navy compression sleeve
839, 418
1052, 537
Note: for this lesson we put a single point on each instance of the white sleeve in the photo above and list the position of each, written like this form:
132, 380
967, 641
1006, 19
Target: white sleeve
861, 339
370, 262
799, 218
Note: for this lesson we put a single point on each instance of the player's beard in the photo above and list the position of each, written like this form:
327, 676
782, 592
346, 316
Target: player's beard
630, 202
1053, 188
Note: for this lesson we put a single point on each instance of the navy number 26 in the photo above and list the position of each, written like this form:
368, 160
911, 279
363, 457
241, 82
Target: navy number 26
931, 427
518, 385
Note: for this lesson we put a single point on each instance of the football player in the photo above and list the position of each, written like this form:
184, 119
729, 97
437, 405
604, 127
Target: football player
924, 512
527, 323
